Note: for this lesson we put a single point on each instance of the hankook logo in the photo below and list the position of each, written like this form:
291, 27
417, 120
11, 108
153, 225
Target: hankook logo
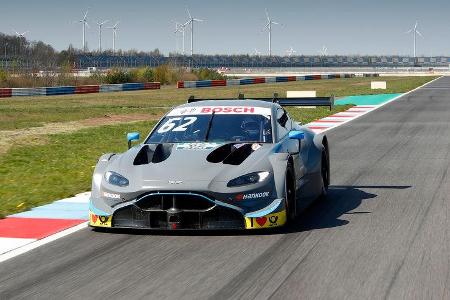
255, 195
111, 195
175, 181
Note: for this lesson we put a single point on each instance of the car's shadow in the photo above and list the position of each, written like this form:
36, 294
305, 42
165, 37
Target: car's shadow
325, 213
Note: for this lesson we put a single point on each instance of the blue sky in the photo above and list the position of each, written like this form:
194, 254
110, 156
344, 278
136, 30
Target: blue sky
232, 26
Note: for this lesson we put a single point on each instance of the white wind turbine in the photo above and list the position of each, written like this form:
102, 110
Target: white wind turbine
290, 51
85, 23
257, 53
191, 21
180, 28
414, 32
268, 27
21, 35
114, 32
100, 25
323, 51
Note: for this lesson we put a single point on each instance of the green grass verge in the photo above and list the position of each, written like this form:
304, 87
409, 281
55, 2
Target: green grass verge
34, 175
24, 112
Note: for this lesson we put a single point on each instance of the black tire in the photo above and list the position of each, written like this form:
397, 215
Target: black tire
325, 173
290, 195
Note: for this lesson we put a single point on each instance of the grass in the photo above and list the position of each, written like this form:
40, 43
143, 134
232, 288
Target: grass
24, 112
37, 174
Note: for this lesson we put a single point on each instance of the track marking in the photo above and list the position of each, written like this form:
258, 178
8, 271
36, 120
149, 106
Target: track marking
378, 106
38, 243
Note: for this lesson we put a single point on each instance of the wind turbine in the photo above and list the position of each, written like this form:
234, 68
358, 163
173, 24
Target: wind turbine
414, 32
21, 35
290, 51
191, 21
257, 53
114, 31
268, 26
182, 29
100, 25
85, 23
323, 51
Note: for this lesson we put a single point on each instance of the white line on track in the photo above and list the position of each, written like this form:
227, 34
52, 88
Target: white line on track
38, 243
377, 107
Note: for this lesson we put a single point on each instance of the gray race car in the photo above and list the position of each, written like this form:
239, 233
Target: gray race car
218, 164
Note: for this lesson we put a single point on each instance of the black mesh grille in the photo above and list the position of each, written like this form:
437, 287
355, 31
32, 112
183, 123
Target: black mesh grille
166, 201
177, 211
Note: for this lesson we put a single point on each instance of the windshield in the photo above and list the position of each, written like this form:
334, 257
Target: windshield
213, 128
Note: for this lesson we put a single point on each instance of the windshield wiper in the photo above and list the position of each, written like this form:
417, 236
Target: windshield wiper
209, 126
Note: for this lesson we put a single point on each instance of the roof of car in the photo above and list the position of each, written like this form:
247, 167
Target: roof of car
237, 102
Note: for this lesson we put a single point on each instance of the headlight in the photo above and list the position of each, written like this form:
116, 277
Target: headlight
248, 179
116, 179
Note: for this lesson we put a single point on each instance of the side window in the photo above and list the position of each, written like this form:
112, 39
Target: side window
284, 123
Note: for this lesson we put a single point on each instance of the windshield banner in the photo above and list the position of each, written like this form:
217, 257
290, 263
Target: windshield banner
222, 110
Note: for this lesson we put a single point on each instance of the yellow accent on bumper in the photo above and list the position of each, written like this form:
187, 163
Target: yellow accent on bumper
271, 220
99, 221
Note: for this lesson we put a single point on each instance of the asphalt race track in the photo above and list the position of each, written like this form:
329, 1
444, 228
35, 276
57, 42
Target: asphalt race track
382, 233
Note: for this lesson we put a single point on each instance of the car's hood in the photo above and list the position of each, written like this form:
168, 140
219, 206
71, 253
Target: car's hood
173, 165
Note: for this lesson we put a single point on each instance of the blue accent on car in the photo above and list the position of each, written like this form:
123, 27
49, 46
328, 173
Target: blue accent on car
133, 136
266, 210
296, 135
96, 211
277, 148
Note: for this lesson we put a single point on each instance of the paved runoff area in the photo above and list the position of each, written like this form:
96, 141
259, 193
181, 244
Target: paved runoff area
381, 233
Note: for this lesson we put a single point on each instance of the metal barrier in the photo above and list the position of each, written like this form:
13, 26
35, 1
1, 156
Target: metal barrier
82, 89
258, 80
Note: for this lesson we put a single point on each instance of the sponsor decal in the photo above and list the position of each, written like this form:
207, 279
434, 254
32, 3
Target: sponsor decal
197, 146
252, 196
268, 221
256, 147
228, 109
99, 221
175, 181
111, 195
207, 110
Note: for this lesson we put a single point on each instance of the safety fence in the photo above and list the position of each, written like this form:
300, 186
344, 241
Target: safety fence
82, 89
257, 80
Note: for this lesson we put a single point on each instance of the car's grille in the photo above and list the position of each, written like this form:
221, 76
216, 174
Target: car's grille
177, 211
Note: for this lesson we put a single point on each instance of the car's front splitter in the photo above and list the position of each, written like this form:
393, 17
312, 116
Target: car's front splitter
274, 215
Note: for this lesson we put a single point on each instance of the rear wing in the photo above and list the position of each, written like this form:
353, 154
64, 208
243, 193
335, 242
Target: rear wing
296, 101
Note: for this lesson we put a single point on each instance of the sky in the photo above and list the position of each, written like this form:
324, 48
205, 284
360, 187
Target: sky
344, 27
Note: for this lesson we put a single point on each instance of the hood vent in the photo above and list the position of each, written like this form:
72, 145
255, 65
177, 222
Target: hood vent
153, 154
231, 154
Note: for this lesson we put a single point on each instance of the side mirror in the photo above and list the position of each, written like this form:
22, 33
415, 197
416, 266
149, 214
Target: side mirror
296, 135
132, 136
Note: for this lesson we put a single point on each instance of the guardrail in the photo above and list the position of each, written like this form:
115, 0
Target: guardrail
81, 89
258, 80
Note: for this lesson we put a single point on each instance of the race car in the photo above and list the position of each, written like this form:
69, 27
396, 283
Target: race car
214, 164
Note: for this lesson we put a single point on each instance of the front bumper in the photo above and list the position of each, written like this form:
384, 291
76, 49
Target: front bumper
169, 211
